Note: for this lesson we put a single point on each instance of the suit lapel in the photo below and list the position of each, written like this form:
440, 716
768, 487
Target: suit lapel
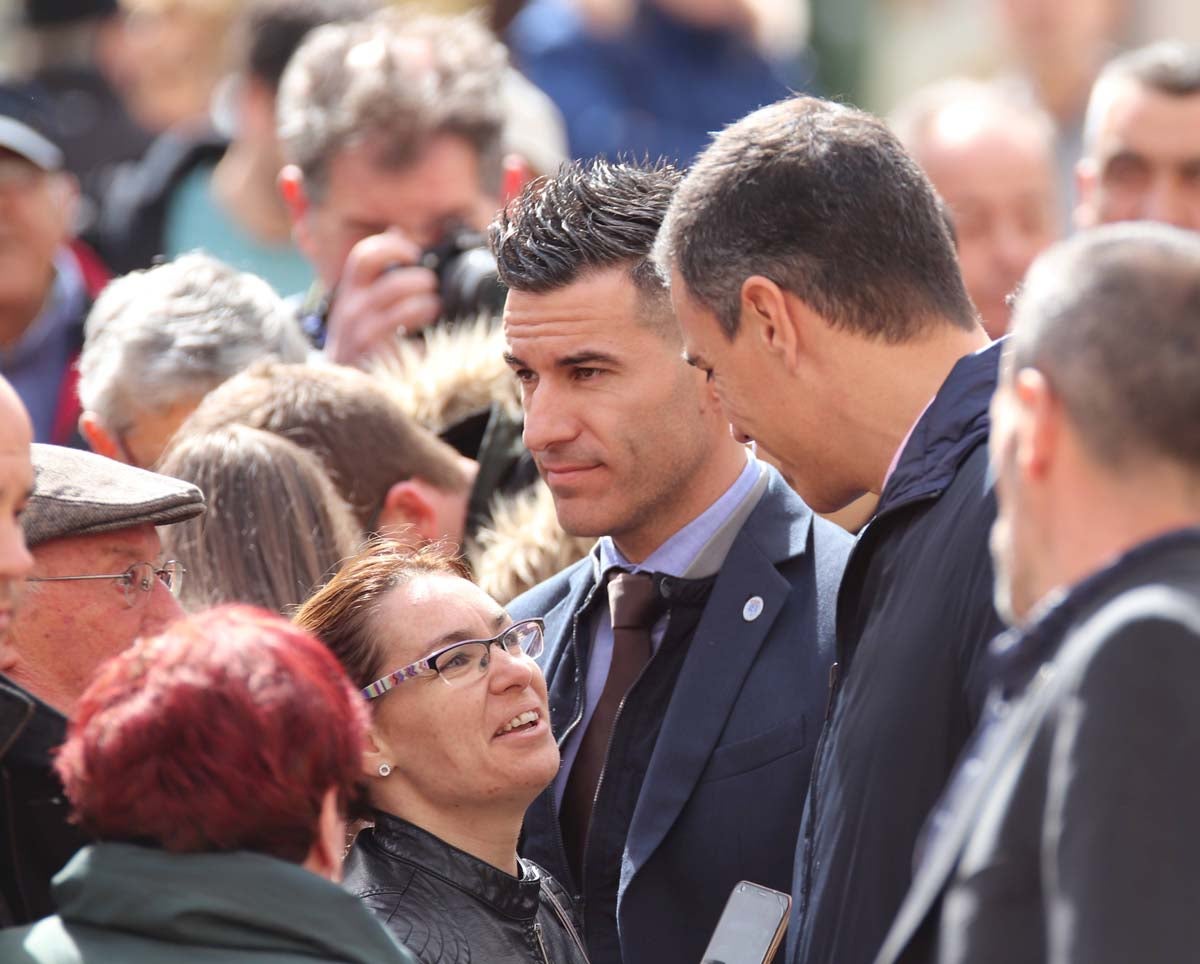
722, 651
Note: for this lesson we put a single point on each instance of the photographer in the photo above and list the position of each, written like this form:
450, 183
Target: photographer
391, 130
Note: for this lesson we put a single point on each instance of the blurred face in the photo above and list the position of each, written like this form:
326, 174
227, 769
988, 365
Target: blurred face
16, 482
618, 424
997, 176
451, 746
423, 201
1144, 164
35, 214
1014, 546
66, 629
1070, 29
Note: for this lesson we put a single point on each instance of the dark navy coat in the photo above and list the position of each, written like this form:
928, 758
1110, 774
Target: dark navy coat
722, 797
915, 613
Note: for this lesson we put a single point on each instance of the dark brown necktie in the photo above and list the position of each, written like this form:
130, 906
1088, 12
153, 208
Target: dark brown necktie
634, 604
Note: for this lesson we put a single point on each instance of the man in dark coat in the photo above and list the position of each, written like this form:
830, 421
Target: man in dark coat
817, 286
684, 770
1068, 834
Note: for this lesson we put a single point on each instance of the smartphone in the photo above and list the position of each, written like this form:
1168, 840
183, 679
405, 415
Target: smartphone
751, 926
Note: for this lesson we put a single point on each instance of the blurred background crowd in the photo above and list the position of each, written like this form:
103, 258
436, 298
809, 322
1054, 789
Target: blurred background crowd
256, 247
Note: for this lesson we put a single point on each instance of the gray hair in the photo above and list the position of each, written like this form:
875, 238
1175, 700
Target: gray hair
914, 118
174, 332
391, 82
1168, 67
1110, 317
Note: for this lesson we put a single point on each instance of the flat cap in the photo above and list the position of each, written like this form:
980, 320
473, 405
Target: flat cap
78, 493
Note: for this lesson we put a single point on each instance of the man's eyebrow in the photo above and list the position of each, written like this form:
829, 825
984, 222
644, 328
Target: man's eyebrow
586, 357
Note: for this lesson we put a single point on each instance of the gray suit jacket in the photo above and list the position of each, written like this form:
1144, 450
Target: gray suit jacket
1069, 835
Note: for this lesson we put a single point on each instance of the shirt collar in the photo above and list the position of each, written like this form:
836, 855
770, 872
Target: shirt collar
675, 556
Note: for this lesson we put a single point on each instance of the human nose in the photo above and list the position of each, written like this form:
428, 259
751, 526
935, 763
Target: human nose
507, 670
549, 419
16, 562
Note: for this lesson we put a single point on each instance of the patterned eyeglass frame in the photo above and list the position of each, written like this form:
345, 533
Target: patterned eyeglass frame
423, 667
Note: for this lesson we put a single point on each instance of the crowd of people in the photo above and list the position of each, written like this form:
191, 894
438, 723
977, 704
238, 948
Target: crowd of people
431, 548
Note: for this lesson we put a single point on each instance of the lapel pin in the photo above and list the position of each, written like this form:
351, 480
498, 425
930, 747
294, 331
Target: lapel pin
753, 609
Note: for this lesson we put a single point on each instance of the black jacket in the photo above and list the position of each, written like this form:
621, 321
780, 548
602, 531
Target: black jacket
35, 837
448, 907
1068, 832
130, 232
915, 612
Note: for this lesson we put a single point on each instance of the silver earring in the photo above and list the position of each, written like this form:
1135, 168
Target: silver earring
385, 769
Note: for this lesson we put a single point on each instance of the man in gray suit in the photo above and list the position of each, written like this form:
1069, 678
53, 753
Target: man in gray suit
1068, 832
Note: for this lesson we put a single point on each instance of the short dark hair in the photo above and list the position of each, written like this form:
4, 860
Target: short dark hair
346, 418
591, 215
1110, 318
268, 32
823, 200
1168, 67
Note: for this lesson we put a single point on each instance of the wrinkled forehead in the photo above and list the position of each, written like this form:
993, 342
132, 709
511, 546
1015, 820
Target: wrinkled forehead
1127, 115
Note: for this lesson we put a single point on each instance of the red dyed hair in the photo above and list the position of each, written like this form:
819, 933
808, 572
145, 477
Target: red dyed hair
225, 732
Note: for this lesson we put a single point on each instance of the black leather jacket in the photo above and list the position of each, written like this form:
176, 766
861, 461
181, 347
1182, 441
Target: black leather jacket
448, 907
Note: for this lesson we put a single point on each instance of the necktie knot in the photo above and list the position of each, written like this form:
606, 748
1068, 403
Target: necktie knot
633, 600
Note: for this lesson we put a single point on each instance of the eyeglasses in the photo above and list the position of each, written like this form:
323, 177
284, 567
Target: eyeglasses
462, 662
136, 582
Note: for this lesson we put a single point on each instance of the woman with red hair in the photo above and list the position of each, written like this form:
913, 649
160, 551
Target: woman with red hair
215, 764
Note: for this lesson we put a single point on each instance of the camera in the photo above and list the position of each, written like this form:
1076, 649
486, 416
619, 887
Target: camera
468, 283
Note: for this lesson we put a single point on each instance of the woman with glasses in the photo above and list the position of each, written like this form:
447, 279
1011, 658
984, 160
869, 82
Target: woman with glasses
459, 746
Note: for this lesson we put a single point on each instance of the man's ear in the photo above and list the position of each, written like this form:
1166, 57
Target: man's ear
293, 192
409, 505
99, 439
516, 172
768, 314
65, 188
1039, 423
1086, 176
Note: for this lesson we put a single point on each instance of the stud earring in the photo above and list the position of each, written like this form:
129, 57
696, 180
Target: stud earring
385, 769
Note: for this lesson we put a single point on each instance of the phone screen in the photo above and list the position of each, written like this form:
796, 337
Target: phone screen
750, 927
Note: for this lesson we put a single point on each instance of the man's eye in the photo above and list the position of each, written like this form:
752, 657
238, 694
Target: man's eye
584, 373
524, 375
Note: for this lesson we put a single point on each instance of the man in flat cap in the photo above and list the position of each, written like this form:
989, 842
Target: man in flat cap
98, 582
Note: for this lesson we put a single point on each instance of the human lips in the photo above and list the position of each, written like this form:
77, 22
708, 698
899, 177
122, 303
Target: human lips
566, 471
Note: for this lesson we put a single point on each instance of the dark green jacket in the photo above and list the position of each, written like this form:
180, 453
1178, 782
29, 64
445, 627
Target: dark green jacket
129, 904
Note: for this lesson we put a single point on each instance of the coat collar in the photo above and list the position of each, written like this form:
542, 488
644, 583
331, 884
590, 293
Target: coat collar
954, 424
509, 896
